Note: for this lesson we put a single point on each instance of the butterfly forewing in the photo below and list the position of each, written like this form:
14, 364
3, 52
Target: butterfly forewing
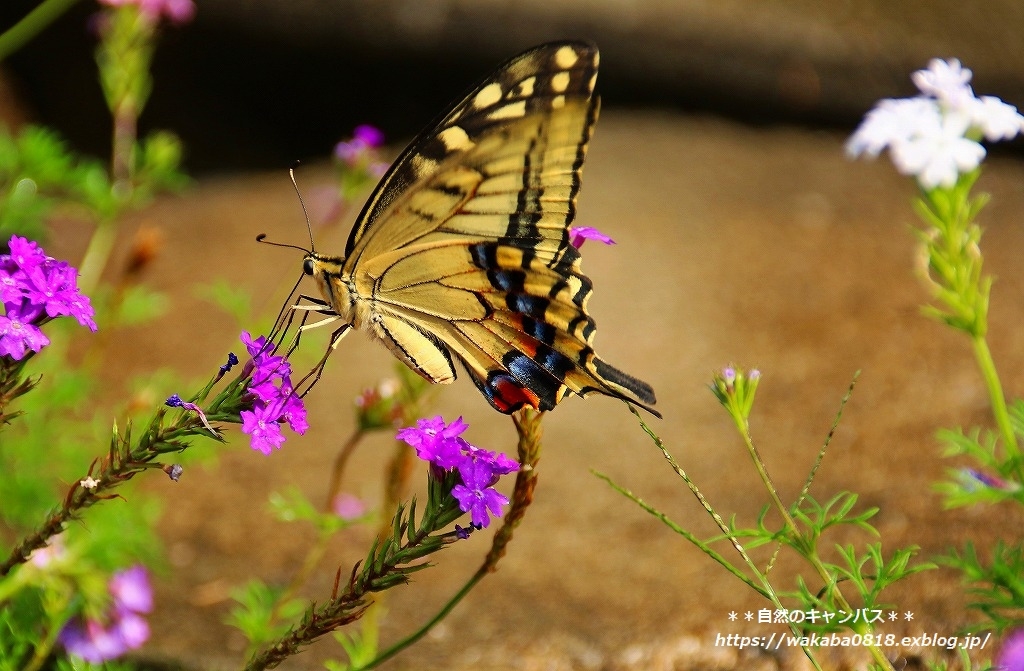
535, 82
463, 248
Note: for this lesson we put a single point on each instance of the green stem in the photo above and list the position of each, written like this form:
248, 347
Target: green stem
34, 22
995, 392
812, 556
42, 652
768, 589
422, 631
765, 477
96, 256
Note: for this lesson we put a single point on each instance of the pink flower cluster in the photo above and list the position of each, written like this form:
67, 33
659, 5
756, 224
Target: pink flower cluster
34, 288
177, 12
364, 138
123, 629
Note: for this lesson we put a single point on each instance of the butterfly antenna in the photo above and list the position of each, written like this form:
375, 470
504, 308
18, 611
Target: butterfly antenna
262, 237
309, 227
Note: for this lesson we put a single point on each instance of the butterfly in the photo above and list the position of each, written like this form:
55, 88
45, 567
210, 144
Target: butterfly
462, 252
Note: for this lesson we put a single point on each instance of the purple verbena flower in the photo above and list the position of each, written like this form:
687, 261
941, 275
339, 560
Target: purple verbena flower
253, 346
33, 288
10, 285
17, 332
435, 441
261, 423
52, 287
275, 397
1011, 655
499, 463
580, 234
476, 496
293, 411
442, 445
92, 641
123, 629
81, 309
25, 254
369, 135
264, 366
269, 368
131, 591
265, 390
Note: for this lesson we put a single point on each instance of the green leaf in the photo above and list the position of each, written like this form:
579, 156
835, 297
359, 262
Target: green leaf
139, 305
234, 300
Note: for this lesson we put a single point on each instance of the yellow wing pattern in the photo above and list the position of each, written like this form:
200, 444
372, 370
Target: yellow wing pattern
462, 252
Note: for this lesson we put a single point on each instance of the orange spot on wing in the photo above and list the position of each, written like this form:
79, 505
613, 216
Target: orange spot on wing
509, 395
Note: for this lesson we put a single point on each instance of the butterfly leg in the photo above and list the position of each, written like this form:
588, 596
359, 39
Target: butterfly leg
319, 368
314, 305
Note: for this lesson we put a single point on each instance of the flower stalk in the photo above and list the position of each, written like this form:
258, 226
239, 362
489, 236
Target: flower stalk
127, 456
388, 563
31, 25
528, 426
123, 461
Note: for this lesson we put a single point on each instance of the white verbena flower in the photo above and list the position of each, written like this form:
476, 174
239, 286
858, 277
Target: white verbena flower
893, 120
937, 155
996, 120
946, 81
934, 136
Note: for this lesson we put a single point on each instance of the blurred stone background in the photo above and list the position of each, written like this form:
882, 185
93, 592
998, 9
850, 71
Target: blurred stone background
744, 235
256, 84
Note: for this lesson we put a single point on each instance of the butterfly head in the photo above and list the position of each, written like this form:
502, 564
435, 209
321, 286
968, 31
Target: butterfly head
319, 266
326, 271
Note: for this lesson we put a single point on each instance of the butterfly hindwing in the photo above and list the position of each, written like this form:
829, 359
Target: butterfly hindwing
462, 251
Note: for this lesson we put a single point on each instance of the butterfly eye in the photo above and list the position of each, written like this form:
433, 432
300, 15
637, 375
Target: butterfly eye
307, 266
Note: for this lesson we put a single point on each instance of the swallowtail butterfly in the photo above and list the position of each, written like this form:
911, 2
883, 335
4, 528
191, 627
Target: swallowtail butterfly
462, 254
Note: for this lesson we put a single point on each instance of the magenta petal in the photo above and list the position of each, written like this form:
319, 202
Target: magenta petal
1011, 656
580, 234
132, 629
371, 135
131, 591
